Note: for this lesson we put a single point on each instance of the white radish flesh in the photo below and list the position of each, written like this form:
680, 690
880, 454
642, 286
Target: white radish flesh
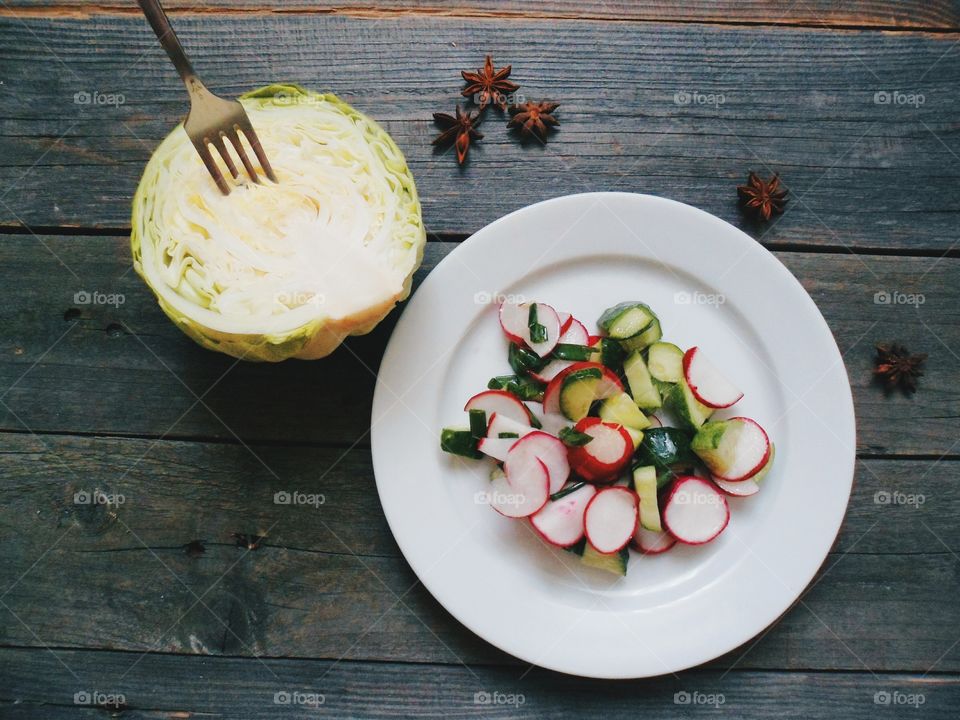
499, 402
546, 448
497, 424
497, 448
652, 542
549, 371
738, 488
608, 446
610, 519
575, 334
515, 321
560, 522
522, 492
554, 422
706, 381
695, 511
751, 451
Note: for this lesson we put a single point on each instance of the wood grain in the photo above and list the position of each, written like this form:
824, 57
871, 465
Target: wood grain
232, 688
68, 367
926, 14
328, 579
796, 100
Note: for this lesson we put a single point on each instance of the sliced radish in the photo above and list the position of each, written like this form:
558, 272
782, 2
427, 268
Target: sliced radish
498, 423
499, 402
522, 492
575, 334
610, 519
706, 382
594, 339
652, 542
739, 488
695, 511
495, 447
565, 320
608, 385
546, 448
549, 371
609, 452
733, 450
654, 421
515, 321
560, 522
553, 423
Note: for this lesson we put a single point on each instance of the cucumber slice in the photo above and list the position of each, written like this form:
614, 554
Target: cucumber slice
645, 484
667, 449
635, 435
611, 354
578, 353
650, 335
665, 362
621, 409
458, 441
644, 393
615, 563
578, 392
689, 411
626, 320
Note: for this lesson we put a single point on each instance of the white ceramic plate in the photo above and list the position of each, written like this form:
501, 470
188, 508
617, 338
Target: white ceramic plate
712, 286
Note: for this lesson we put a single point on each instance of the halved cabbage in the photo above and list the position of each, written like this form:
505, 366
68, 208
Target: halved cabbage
274, 271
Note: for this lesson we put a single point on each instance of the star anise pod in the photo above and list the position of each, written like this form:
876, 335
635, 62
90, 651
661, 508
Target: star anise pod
459, 130
896, 366
762, 197
533, 119
489, 87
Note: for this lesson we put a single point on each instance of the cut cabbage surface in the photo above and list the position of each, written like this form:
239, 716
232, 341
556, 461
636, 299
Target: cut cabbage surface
288, 269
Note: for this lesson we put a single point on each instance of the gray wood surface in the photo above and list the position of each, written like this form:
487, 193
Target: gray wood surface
924, 14
797, 100
98, 397
229, 688
100, 378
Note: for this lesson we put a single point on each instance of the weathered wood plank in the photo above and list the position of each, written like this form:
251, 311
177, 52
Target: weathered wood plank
237, 688
795, 100
927, 14
88, 375
326, 580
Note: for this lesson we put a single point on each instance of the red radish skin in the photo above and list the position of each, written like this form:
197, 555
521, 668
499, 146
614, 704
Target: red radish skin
575, 334
611, 518
760, 436
741, 488
500, 402
565, 320
546, 448
706, 382
560, 522
521, 494
594, 339
608, 437
651, 542
695, 512
609, 385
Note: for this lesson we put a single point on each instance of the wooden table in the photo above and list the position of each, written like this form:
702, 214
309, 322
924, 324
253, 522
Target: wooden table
172, 599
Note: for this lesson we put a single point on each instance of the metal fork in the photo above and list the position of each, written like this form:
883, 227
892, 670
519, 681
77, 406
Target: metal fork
211, 119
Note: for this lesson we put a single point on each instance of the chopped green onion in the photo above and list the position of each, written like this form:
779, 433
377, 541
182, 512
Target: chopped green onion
567, 351
459, 442
508, 435
478, 423
563, 492
523, 361
523, 388
574, 438
538, 332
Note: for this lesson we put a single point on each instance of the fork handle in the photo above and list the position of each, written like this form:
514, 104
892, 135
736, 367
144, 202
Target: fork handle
168, 40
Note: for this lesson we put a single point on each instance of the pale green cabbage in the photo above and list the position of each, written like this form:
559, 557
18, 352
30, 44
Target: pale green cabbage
274, 271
